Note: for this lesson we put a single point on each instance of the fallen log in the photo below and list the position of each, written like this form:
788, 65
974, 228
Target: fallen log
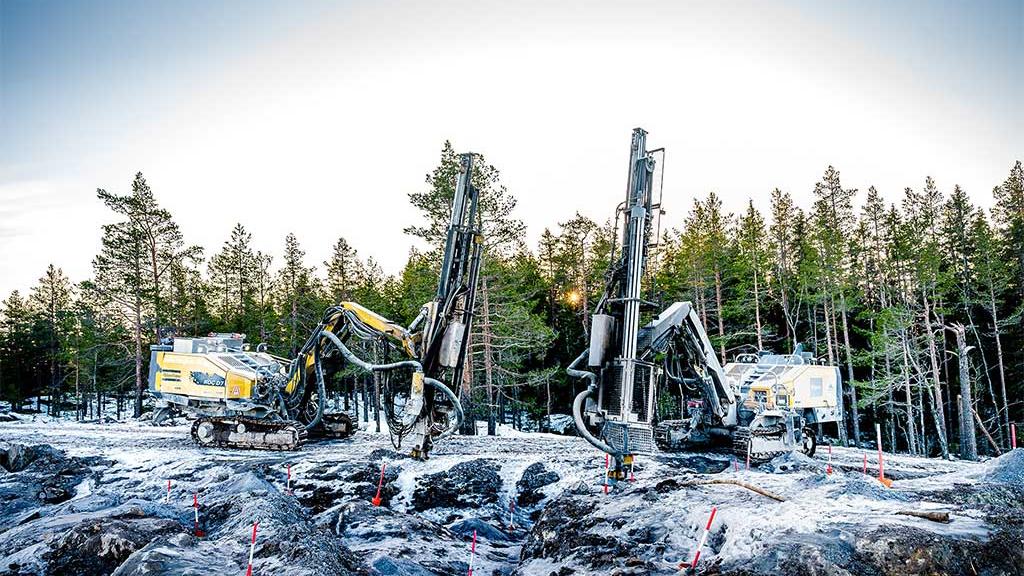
739, 483
981, 425
938, 516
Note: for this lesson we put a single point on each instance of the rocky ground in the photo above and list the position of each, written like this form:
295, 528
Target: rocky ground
90, 499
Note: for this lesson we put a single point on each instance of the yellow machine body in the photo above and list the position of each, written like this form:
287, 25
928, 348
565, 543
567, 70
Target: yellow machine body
218, 375
788, 382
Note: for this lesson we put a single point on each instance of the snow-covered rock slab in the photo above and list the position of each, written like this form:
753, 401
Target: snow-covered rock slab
89, 499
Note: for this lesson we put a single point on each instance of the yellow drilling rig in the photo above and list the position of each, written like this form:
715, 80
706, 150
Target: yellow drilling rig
244, 398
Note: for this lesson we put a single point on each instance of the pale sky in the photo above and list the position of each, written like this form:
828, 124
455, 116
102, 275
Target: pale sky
319, 118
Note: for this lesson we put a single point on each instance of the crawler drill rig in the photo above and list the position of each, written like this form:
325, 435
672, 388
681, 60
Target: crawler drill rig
245, 399
627, 364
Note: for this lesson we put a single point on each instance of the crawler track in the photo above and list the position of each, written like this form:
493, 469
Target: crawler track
248, 433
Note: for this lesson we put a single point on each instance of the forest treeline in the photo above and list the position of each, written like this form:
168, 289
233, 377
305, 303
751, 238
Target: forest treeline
919, 302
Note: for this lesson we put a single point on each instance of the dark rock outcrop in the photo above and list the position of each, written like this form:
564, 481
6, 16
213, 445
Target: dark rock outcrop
469, 484
535, 477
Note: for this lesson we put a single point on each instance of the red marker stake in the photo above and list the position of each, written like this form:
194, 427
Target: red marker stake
703, 540
512, 513
748, 454
167, 499
1013, 436
631, 477
881, 461
288, 486
606, 468
195, 506
380, 484
472, 553
865, 464
828, 468
252, 548
735, 465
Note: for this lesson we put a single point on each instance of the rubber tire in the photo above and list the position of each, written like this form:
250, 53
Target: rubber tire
809, 435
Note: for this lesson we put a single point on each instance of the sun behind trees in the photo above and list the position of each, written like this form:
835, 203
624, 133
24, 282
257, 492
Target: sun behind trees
878, 288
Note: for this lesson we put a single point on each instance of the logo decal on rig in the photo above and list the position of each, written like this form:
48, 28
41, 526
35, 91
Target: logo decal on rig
204, 379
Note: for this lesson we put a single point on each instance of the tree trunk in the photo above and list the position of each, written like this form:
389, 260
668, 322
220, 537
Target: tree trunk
366, 400
485, 326
757, 310
829, 321
466, 393
139, 386
95, 389
790, 330
376, 399
79, 407
937, 409
922, 439
1005, 409
911, 432
968, 440
849, 373
891, 406
721, 316
156, 292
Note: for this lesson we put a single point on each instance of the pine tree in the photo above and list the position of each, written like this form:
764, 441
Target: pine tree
923, 226
231, 271
749, 269
1008, 215
993, 280
263, 286
712, 225
51, 302
297, 297
18, 350
160, 239
341, 271
833, 219
502, 234
120, 280
783, 243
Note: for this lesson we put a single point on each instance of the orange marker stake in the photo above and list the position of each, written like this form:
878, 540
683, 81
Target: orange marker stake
380, 484
828, 468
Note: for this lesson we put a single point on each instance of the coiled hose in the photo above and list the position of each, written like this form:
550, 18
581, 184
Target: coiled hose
578, 403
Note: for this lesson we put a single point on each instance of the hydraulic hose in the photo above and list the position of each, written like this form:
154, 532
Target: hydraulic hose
369, 367
459, 414
577, 405
321, 389
572, 371
284, 406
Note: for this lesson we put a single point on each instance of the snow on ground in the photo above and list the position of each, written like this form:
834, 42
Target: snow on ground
99, 508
